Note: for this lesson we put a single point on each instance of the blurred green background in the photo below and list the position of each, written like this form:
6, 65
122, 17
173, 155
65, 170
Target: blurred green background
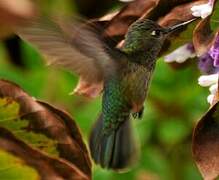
174, 105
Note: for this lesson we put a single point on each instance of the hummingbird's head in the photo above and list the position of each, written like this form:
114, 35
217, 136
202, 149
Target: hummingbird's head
145, 35
142, 35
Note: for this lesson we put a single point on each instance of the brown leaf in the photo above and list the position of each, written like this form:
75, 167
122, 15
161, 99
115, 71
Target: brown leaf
93, 8
206, 144
203, 37
14, 12
53, 123
151, 9
178, 14
184, 35
48, 167
166, 13
206, 32
119, 24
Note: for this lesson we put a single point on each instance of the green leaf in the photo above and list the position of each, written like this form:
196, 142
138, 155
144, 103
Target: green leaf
44, 128
14, 168
9, 119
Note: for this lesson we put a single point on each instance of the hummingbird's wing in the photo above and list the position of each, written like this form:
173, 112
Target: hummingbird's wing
72, 45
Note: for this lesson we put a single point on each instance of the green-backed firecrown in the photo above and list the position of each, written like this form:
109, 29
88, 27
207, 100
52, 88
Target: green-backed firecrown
122, 74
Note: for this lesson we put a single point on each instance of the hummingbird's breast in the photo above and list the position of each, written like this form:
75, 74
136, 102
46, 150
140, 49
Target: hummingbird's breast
125, 92
135, 82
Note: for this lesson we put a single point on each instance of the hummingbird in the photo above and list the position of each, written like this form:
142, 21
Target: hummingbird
122, 75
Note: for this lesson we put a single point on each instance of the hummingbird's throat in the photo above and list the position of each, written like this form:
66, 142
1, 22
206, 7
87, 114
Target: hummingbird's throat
146, 58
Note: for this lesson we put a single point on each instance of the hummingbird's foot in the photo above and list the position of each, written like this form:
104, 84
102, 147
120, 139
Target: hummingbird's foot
138, 115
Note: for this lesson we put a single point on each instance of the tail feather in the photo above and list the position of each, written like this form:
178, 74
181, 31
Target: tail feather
116, 150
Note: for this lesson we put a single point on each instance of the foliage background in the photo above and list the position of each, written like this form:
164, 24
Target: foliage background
174, 105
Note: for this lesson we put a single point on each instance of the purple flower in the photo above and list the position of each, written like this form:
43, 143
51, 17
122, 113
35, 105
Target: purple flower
214, 52
206, 64
209, 62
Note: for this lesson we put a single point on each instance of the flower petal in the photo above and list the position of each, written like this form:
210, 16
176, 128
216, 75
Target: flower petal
208, 80
203, 10
213, 88
181, 54
214, 52
210, 98
205, 64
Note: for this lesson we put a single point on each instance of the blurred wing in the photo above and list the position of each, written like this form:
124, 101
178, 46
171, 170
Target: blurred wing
74, 46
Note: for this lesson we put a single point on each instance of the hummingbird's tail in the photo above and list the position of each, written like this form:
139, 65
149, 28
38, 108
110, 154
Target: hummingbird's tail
116, 150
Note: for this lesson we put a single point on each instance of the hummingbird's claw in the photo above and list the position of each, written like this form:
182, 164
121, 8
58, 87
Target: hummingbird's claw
138, 115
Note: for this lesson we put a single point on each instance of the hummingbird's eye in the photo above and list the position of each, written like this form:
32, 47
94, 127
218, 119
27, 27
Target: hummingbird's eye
156, 33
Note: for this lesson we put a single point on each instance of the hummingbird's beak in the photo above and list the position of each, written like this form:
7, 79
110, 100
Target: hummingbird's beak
178, 26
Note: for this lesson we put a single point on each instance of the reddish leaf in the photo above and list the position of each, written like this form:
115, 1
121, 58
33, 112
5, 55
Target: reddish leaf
119, 24
43, 119
203, 37
14, 12
166, 13
48, 167
204, 33
152, 9
176, 15
206, 143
